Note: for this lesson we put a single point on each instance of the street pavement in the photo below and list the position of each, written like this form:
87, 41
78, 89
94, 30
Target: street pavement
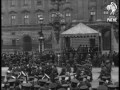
95, 71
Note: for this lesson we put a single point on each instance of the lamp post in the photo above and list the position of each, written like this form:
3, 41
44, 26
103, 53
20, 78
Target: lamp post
41, 36
57, 19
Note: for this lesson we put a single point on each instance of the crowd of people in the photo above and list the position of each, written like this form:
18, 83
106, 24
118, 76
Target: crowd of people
33, 72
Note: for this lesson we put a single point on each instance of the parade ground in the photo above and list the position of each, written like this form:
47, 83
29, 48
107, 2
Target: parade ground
95, 71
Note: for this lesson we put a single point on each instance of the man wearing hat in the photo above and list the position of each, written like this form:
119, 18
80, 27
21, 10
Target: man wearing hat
52, 86
111, 87
103, 72
84, 81
108, 66
102, 85
26, 86
42, 84
11, 83
63, 72
84, 87
36, 87
58, 82
74, 84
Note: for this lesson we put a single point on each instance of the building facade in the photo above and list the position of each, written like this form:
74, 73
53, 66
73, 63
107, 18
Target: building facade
20, 19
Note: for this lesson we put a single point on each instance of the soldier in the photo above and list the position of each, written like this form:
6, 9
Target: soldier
52, 86
103, 71
84, 87
108, 67
42, 84
36, 87
102, 86
26, 86
111, 87
63, 72
74, 84
54, 73
57, 82
68, 68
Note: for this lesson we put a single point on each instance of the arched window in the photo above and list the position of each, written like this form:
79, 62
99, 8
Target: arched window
51, 15
12, 3
39, 13
13, 19
68, 14
92, 13
26, 18
38, 17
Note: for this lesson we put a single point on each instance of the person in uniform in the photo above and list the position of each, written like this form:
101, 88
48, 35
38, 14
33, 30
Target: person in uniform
102, 85
74, 84
58, 82
63, 72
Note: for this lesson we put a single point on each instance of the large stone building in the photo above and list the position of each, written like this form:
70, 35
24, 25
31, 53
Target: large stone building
20, 20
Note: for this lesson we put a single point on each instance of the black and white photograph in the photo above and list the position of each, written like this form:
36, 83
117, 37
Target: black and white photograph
59, 44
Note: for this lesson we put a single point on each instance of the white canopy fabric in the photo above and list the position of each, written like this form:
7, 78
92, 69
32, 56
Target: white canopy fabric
80, 30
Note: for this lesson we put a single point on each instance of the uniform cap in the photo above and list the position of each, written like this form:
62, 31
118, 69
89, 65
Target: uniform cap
104, 77
74, 81
52, 85
61, 89
11, 80
84, 87
48, 82
101, 81
107, 61
16, 73
40, 76
36, 86
56, 78
111, 86
43, 80
11, 87
63, 77
65, 85
31, 77
26, 84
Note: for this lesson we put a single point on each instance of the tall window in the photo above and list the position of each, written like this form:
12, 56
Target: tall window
38, 17
12, 3
105, 14
25, 2
26, 19
39, 2
13, 42
68, 16
13, 19
92, 16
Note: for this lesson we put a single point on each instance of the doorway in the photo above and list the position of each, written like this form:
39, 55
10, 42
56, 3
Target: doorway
27, 43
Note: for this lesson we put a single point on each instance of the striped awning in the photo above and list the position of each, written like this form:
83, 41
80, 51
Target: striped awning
80, 30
